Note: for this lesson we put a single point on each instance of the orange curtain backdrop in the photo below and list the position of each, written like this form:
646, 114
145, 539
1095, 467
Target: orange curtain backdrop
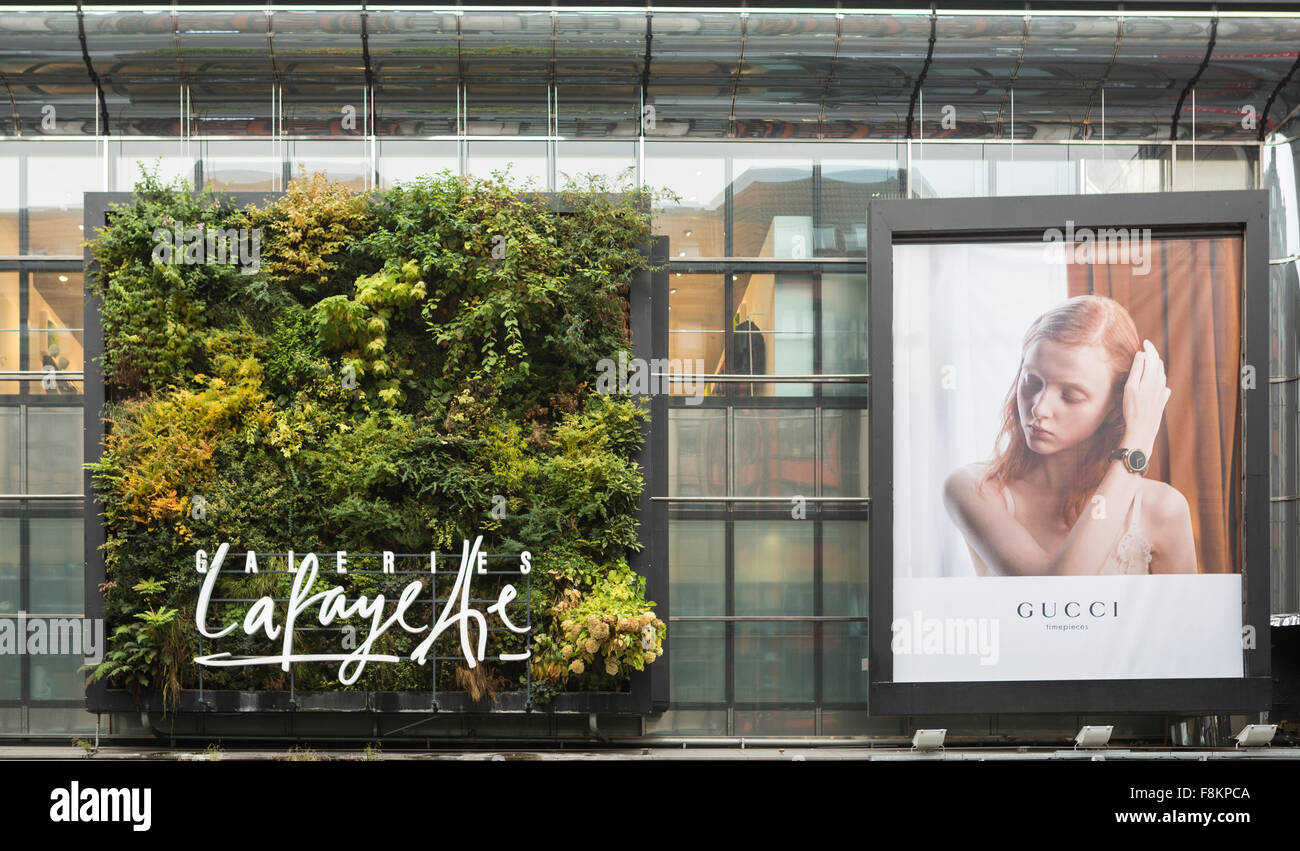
1189, 305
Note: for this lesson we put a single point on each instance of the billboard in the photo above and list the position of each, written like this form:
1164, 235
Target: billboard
1069, 454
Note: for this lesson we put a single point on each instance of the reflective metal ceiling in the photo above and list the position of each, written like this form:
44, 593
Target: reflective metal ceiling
707, 74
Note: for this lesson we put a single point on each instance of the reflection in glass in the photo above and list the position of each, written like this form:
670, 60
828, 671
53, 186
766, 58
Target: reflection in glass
10, 576
775, 452
57, 565
774, 567
772, 331
697, 662
845, 452
774, 662
54, 446
697, 564
844, 652
54, 191
772, 204
845, 553
844, 331
697, 174
696, 314
697, 452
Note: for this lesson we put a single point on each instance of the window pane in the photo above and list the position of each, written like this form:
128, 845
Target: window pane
57, 565
1032, 169
697, 174
697, 452
241, 166
345, 161
772, 198
686, 722
612, 160
55, 314
774, 662
54, 188
9, 195
54, 446
10, 590
845, 452
11, 683
404, 160
844, 652
844, 331
846, 546
697, 563
949, 171
775, 452
525, 162
1111, 168
799, 722
774, 567
9, 333
772, 331
849, 183
57, 677
696, 313
697, 662
10, 452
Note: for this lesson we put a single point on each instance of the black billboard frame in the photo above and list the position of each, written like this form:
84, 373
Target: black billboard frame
936, 220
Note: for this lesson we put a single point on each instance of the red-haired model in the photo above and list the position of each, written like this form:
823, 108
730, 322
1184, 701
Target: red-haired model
1065, 492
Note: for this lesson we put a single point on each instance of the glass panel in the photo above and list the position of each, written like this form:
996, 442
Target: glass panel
687, 722
58, 677
696, 313
856, 722
844, 657
509, 109
344, 161
1284, 315
54, 189
9, 333
846, 547
55, 313
846, 451
1284, 545
773, 330
697, 174
604, 110
1278, 175
697, 662
771, 190
11, 682
949, 171
165, 158
403, 160
9, 194
774, 567
1284, 437
802, 722
774, 662
852, 176
845, 326
610, 159
525, 162
241, 166
61, 719
1121, 168
57, 565
10, 574
1210, 168
697, 452
54, 447
775, 452
1032, 169
697, 564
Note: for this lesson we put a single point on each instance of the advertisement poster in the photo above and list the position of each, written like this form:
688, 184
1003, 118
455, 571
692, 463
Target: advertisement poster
1068, 503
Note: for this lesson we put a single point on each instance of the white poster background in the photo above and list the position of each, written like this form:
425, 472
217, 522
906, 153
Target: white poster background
960, 315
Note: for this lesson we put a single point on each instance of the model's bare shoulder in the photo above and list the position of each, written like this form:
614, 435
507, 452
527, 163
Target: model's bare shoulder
1163, 505
961, 487
1168, 521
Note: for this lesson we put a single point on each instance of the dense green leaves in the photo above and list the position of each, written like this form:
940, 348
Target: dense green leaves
395, 367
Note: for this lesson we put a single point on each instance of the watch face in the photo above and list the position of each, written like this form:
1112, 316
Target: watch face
1137, 460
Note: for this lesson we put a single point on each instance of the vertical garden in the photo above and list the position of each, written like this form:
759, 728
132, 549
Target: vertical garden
394, 371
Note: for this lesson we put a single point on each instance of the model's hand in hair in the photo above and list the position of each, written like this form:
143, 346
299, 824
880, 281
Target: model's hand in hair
1145, 397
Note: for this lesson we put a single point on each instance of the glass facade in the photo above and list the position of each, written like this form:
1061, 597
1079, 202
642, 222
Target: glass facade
772, 133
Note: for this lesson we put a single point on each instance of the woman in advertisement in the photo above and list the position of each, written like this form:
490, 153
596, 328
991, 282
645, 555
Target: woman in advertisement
1065, 492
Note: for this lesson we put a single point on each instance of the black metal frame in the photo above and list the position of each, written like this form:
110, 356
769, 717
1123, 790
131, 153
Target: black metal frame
968, 219
648, 561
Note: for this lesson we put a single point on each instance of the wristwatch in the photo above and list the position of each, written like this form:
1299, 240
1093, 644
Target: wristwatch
1135, 460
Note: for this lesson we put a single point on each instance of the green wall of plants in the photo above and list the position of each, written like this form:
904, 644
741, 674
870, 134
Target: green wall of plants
397, 362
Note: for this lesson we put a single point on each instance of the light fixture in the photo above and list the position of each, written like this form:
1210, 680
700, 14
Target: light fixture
673, 291
1256, 735
688, 232
81, 227
681, 254
928, 740
1093, 737
63, 278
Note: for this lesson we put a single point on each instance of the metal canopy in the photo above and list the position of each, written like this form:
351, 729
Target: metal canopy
707, 73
